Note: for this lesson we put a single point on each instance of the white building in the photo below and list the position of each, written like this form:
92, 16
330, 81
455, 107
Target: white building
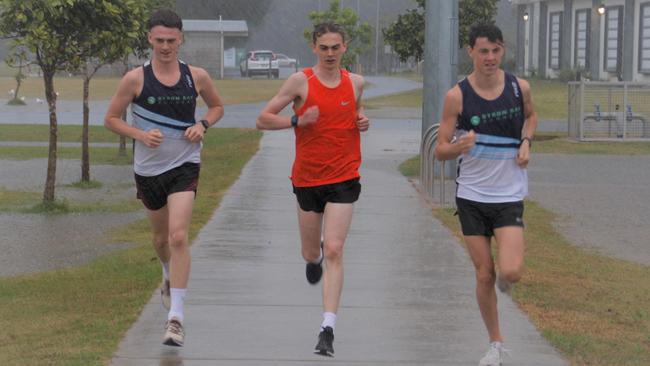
608, 39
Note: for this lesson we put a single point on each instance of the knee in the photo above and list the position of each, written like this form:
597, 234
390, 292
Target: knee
511, 275
160, 241
333, 251
178, 238
485, 276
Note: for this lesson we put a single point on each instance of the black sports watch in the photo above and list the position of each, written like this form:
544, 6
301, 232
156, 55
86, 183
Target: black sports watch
205, 124
294, 121
530, 141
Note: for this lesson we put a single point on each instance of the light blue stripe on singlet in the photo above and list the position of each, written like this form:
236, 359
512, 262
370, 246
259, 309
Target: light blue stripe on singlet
494, 152
493, 139
158, 118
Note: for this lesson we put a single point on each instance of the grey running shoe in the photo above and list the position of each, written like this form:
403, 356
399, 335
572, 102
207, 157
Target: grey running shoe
165, 294
325, 345
174, 333
494, 355
503, 285
314, 271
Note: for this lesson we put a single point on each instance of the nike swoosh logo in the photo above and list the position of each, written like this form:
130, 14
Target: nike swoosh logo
345, 103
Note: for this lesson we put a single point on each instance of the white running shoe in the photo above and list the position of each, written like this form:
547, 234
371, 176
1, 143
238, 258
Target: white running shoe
174, 333
494, 355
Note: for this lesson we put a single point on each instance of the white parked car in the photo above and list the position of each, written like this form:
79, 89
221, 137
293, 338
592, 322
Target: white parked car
260, 62
286, 61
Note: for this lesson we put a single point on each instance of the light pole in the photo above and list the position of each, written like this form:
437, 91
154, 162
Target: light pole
377, 40
357, 66
222, 47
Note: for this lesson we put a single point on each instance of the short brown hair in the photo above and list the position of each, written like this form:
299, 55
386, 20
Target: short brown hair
328, 27
166, 18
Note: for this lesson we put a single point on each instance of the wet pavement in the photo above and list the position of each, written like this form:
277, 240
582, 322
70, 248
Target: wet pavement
408, 297
601, 201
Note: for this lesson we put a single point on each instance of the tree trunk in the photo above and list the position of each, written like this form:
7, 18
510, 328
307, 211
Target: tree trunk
50, 95
85, 156
122, 150
19, 81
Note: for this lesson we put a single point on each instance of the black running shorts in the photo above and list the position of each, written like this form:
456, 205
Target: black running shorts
478, 218
315, 198
153, 191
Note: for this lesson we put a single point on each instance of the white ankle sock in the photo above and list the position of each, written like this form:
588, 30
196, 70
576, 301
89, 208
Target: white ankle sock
329, 320
178, 300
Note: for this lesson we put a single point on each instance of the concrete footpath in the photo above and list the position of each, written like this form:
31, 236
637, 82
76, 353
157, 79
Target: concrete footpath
408, 297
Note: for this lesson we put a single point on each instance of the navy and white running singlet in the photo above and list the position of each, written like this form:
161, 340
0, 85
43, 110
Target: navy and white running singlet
489, 172
171, 110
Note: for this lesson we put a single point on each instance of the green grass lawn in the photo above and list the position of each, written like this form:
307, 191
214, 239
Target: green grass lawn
78, 316
66, 133
70, 88
549, 98
553, 143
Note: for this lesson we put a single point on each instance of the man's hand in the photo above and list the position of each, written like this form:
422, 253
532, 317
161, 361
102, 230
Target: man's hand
466, 142
523, 155
195, 133
363, 123
152, 138
309, 117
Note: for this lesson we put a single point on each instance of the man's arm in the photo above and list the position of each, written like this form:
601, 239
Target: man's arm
530, 124
363, 123
126, 92
210, 95
290, 91
445, 150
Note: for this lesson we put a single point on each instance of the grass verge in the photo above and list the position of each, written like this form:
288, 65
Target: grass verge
78, 316
98, 155
547, 96
593, 309
66, 133
409, 99
549, 143
232, 91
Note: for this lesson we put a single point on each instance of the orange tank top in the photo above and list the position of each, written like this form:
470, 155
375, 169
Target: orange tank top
328, 151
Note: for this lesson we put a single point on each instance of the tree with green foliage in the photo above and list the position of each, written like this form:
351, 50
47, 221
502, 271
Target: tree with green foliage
117, 32
56, 32
358, 34
400, 34
406, 35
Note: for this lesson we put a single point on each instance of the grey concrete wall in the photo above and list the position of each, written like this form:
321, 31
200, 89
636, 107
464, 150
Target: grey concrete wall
202, 49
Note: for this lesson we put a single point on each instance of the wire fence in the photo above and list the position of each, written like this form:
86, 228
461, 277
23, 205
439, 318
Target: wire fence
609, 111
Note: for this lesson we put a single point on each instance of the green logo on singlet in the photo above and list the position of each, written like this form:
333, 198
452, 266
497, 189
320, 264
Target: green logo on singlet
151, 100
475, 120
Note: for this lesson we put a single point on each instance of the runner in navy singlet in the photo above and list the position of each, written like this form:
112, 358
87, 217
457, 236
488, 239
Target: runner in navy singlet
492, 117
167, 156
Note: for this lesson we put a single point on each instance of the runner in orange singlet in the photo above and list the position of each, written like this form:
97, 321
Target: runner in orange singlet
325, 176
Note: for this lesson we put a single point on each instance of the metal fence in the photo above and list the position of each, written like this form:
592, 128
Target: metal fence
609, 111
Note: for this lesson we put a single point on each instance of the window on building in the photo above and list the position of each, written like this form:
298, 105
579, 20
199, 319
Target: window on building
554, 39
613, 37
581, 47
644, 38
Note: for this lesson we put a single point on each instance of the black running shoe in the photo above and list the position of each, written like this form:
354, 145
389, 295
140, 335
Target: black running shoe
314, 271
325, 345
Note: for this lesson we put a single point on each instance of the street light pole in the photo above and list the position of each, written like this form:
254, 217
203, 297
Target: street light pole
222, 47
377, 40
